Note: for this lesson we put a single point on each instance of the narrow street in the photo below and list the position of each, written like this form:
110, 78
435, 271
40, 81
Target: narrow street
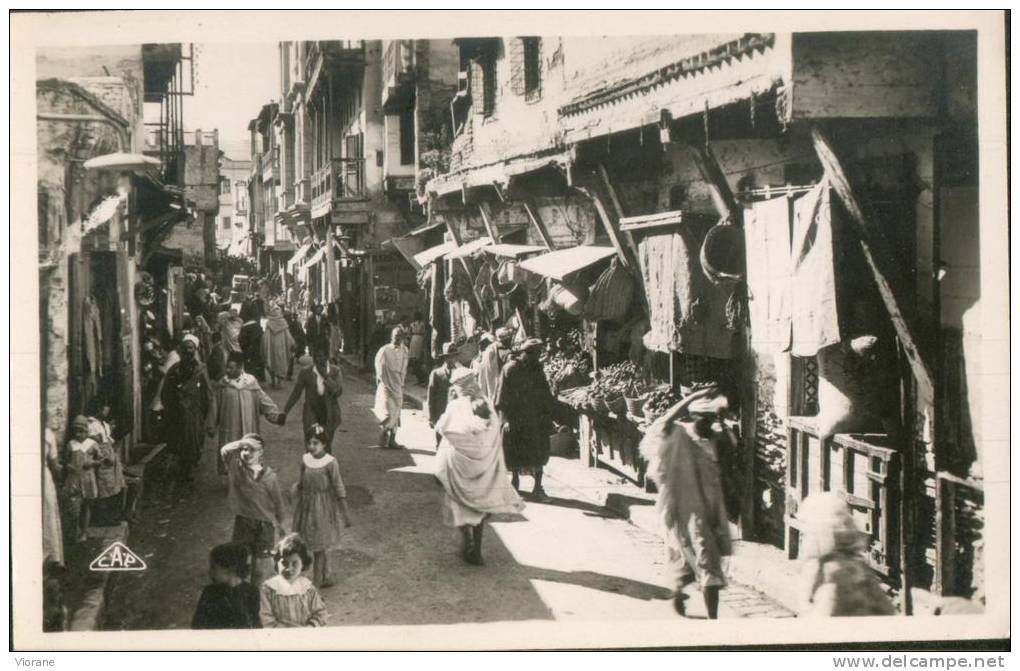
569, 559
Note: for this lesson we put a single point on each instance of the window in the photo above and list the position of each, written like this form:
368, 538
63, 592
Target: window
525, 57
225, 187
483, 85
532, 67
225, 223
407, 134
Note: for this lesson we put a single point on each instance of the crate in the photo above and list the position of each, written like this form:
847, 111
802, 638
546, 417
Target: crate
863, 469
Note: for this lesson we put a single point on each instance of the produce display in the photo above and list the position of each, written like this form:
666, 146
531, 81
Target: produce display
659, 401
620, 379
567, 365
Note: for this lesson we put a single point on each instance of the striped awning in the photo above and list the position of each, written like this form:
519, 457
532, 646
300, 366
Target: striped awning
564, 262
299, 256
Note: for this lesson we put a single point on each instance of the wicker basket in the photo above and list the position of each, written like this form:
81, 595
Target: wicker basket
635, 406
562, 444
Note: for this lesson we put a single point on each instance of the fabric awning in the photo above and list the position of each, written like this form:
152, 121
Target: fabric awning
513, 251
433, 253
564, 262
469, 248
321, 253
299, 256
407, 246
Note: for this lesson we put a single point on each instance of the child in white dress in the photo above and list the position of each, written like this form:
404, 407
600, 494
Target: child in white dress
289, 599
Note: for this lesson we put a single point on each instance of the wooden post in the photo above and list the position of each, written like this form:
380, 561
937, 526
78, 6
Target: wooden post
536, 221
722, 197
455, 234
486, 212
879, 260
617, 208
610, 226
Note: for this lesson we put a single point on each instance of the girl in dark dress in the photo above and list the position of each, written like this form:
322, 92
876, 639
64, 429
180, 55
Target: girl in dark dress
230, 601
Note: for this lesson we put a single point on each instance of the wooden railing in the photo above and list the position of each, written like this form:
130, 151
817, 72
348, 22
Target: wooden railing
340, 179
959, 510
863, 469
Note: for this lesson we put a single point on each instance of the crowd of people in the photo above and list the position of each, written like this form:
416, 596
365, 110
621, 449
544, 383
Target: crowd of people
492, 411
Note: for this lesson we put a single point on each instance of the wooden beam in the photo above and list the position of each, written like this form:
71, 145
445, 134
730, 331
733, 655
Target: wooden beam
880, 262
455, 234
609, 225
722, 197
486, 212
536, 221
617, 209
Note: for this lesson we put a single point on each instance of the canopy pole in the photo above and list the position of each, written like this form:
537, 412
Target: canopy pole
722, 196
483, 209
879, 259
536, 221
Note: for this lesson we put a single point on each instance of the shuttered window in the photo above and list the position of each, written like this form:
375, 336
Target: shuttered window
532, 66
407, 134
525, 57
488, 65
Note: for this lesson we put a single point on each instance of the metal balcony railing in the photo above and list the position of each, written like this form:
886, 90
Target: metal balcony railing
340, 179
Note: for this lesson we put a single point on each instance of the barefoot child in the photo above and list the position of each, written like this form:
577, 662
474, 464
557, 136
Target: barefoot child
836, 580
80, 488
321, 503
255, 499
228, 602
289, 599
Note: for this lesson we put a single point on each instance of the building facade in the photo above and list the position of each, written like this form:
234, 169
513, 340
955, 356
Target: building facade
232, 217
105, 215
348, 133
664, 152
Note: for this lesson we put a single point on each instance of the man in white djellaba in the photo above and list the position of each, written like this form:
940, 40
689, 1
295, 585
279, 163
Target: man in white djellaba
390, 373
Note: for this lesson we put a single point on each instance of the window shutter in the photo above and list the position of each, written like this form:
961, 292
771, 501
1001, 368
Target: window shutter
477, 88
517, 66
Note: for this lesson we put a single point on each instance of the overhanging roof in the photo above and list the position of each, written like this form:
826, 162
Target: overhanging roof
513, 251
500, 172
564, 262
469, 248
434, 253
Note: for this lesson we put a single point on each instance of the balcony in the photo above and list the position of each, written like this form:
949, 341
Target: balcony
303, 192
340, 180
398, 75
340, 56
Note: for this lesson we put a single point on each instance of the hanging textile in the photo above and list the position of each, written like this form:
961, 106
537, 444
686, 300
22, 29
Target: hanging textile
93, 324
688, 312
813, 307
611, 294
767, 240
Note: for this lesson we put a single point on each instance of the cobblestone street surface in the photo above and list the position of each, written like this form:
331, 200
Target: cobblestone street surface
569, 559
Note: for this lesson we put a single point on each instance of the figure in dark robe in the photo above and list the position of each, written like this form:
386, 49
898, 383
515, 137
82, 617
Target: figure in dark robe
251, 342
525, 402
186, 397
